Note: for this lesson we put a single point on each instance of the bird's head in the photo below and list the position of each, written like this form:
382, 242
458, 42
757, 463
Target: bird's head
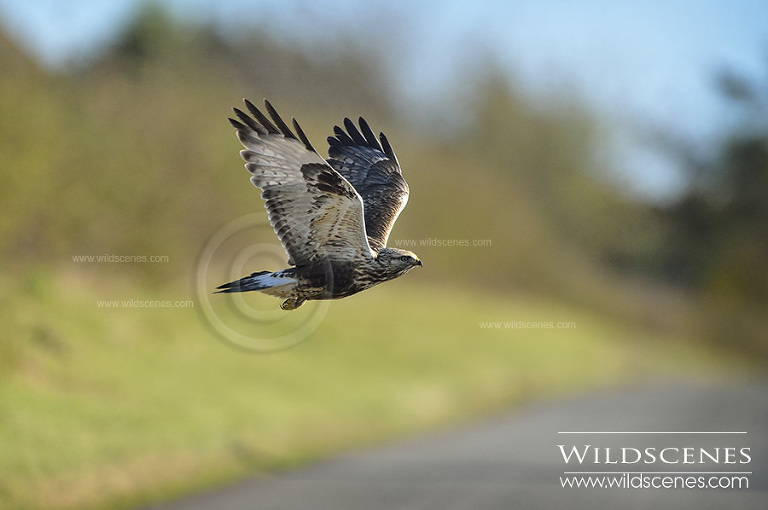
397, 261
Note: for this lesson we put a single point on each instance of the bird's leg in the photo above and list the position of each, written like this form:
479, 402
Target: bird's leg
291, 303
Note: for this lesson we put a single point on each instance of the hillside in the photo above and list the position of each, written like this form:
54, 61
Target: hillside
136, 149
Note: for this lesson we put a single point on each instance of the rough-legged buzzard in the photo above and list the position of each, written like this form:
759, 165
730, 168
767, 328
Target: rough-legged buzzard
333, 217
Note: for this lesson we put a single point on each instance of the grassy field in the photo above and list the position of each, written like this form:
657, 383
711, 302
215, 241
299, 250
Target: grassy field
116, 407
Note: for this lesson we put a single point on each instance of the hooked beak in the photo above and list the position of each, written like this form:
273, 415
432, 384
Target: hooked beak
418, 263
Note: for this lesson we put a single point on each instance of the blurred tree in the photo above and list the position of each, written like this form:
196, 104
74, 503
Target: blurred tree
31, 112
151, 33
717, 242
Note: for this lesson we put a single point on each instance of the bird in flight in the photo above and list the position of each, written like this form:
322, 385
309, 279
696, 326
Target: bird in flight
333, 217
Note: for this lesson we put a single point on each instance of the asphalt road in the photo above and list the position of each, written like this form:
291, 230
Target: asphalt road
514, 461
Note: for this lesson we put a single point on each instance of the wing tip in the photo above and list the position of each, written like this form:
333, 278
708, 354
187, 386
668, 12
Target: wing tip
302, 136
352, 136
387, 148
236, 124
259, 122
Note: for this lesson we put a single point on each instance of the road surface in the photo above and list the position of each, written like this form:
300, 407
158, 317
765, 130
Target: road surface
514, 461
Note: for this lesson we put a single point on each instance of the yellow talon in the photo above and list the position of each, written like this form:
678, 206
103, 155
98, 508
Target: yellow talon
291, 304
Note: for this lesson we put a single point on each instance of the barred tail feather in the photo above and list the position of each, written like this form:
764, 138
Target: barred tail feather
271, 283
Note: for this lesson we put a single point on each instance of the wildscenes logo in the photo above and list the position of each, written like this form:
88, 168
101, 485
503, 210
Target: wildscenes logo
668, 455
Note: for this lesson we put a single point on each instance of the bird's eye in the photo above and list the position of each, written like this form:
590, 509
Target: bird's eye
405, 258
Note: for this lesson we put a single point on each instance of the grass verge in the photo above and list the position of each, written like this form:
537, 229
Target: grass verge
122, 406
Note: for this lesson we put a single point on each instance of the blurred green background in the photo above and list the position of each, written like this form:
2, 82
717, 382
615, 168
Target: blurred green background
128, 153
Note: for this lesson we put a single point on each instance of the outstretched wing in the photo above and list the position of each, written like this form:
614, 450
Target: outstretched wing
315, 212
370, 165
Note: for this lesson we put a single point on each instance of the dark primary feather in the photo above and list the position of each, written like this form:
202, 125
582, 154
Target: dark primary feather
263, 120
371, 166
